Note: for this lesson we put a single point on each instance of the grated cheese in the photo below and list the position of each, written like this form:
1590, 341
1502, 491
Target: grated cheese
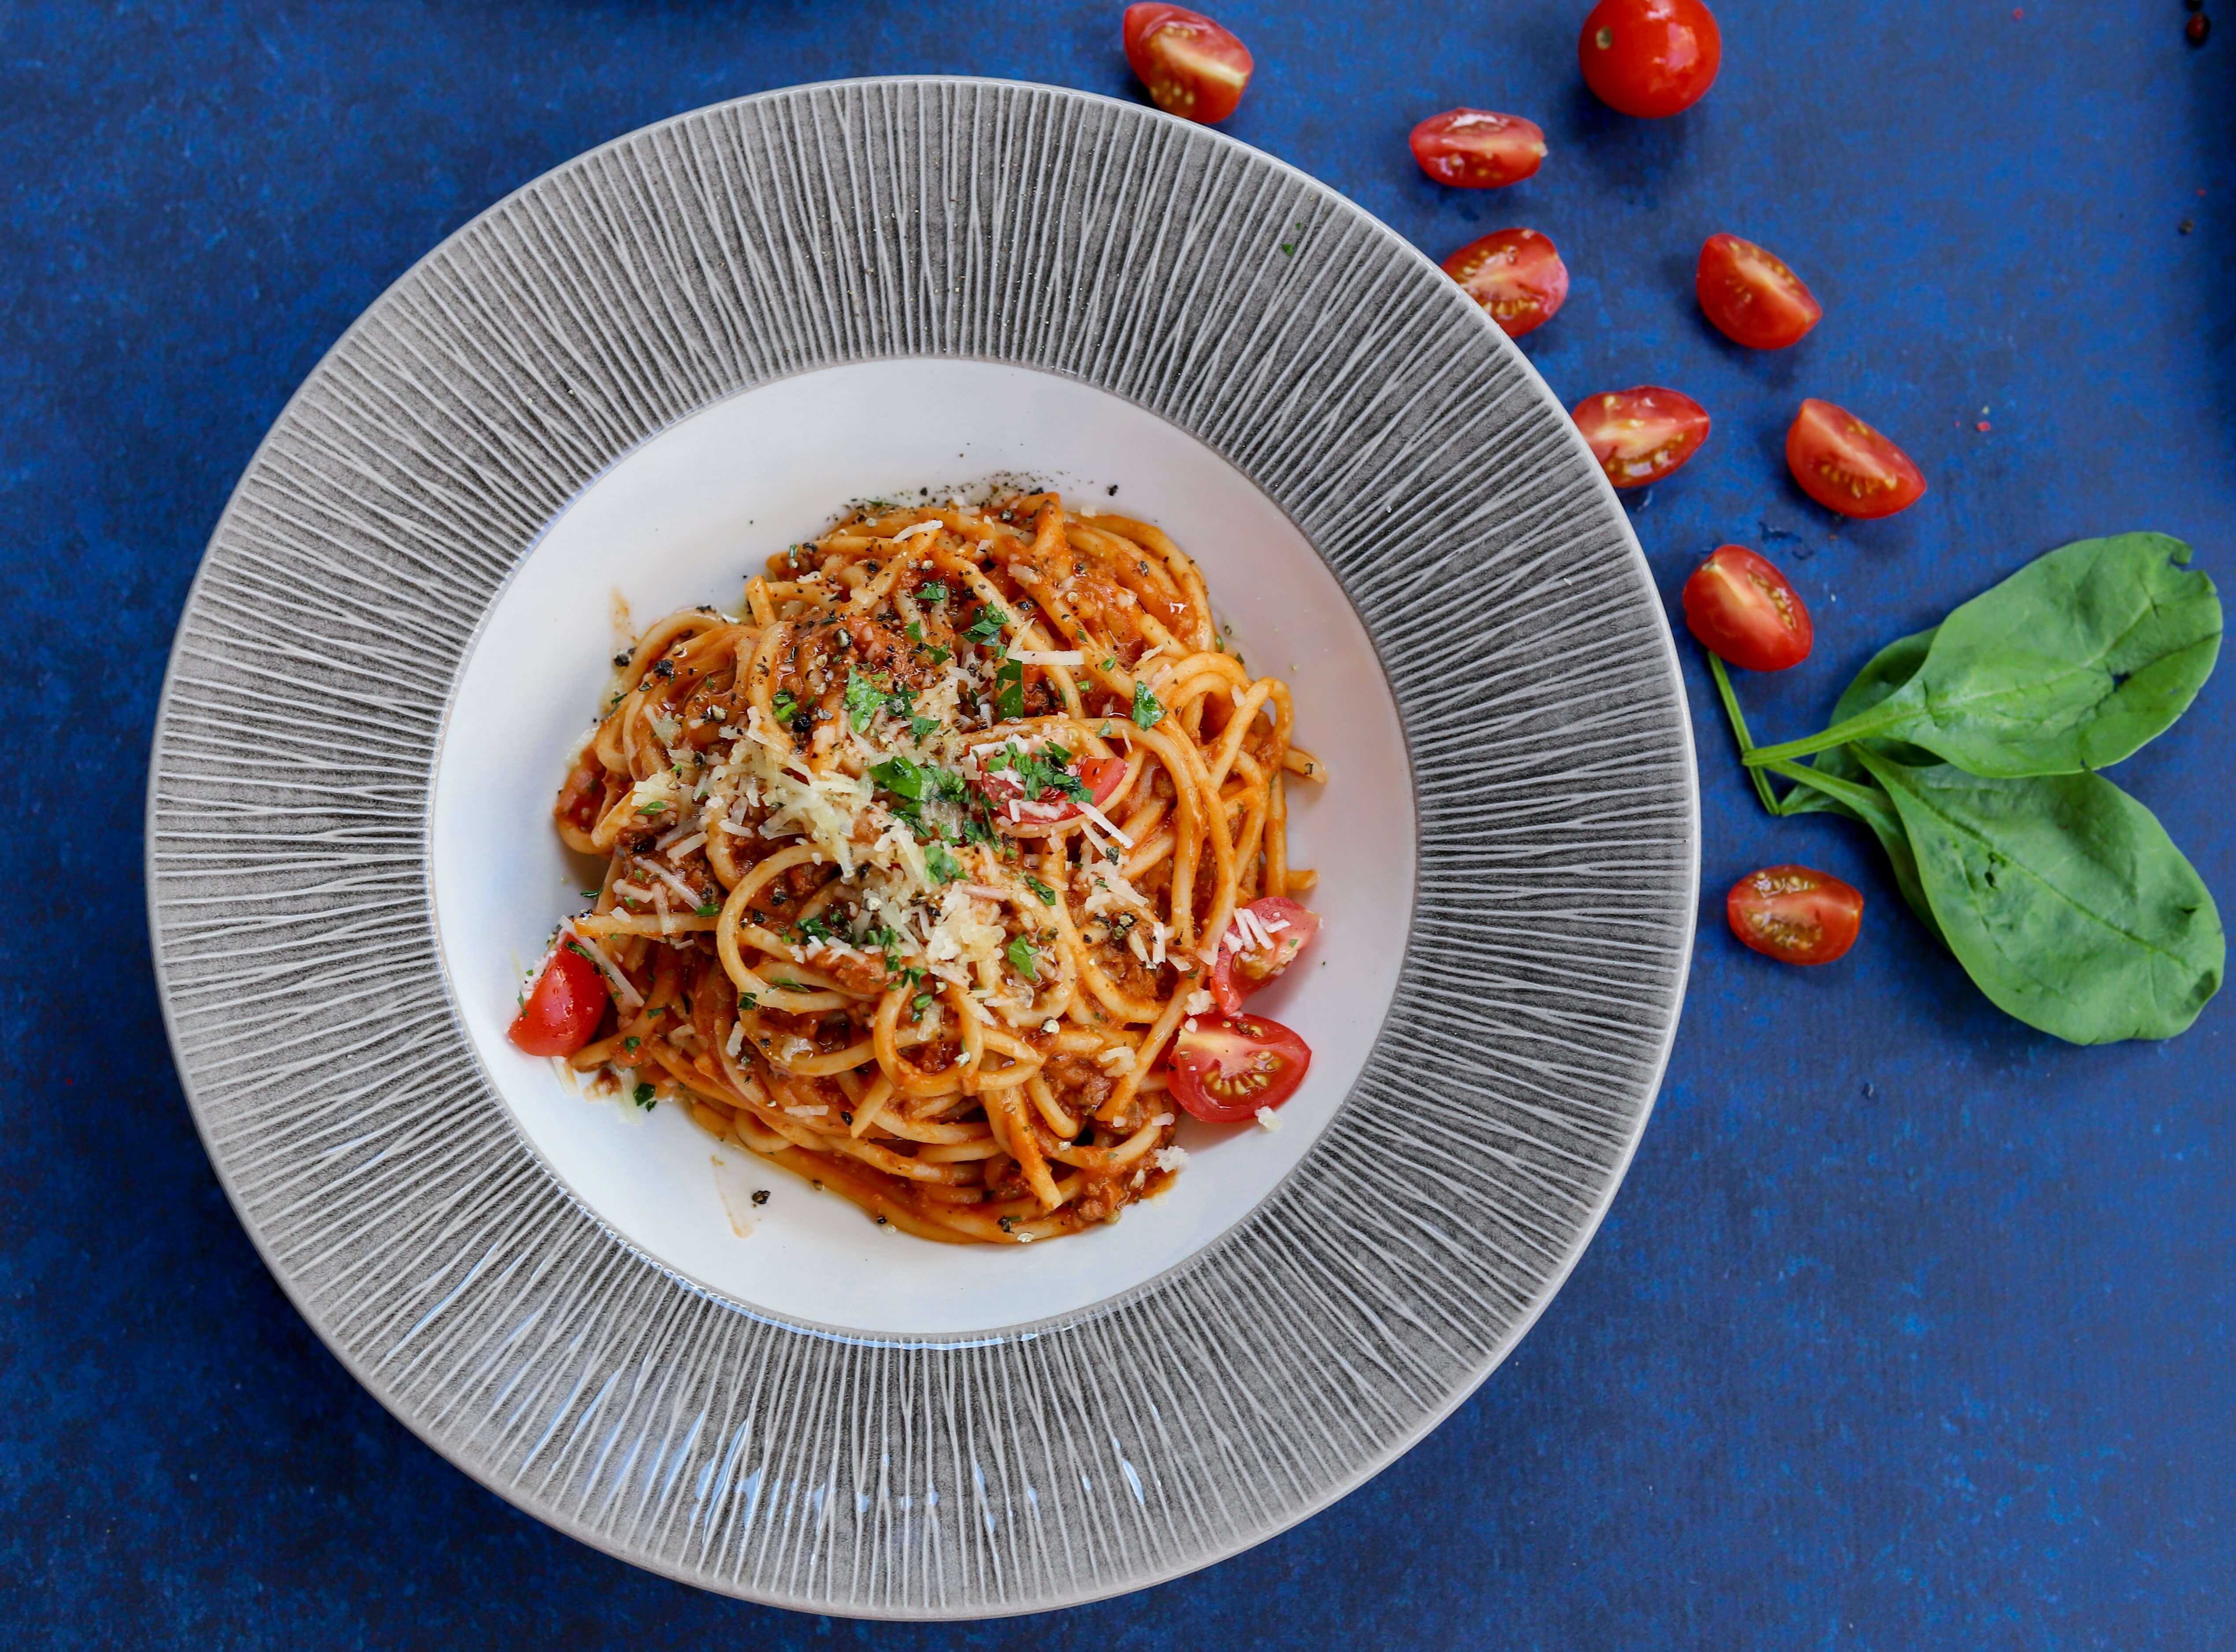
1045, 656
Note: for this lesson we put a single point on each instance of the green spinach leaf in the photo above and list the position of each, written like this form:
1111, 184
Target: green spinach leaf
1885, 672
2062, 896
2069, 665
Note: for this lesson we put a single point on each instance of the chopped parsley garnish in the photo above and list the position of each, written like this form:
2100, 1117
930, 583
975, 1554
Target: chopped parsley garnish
785, 706
988, 626
643, 1097
812, 929
918, 1005
921, 728
932, 590
942, 866
1040, 891
915, 632
1147, 714
1010, 689
941, 656
864, 697
901, 778
630, 1042
1022, 959
712, 909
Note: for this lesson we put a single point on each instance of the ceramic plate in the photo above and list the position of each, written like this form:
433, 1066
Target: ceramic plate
613, 395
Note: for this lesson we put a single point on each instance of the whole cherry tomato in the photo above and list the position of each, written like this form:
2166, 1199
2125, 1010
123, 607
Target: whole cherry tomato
1517, 274
1744, 611
1192, 67
1751, 296
1225, 1068
562, 1008
1477, 149
1650, 58
1794, 914
1243, 967
1641, 435
1846, 466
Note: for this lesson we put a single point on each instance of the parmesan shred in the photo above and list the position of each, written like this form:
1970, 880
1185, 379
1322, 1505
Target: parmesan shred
1102, 820
1045, 656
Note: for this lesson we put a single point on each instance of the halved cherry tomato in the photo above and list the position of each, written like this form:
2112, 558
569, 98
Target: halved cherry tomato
1650, 58
1099, 775
1846, 466
1794, 914
564, 1007
1477, 149
1225, 1068
1242, 969
1193, 68
1639, 436
1745, 610
1751, 296
1517, 274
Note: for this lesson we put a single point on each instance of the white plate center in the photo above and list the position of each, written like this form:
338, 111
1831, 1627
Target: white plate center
682, 520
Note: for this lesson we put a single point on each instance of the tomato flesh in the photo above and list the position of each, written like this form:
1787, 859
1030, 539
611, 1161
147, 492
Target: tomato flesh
1242, 967
1478, 148
1795, 914
1652, 58
1752, 295
1101, 776
1515, 274
562, 1008
1225, 1068
1192, 67
1641, 435
1846, 466
1743, 610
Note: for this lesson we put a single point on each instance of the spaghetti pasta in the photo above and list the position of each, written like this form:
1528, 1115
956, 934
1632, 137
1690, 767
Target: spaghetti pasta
916, 866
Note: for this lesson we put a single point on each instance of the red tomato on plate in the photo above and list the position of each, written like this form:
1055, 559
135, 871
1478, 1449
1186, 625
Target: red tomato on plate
1517, 274
1846, 466
1225, 1068
1641, 435
1238, 973
1477, 149
1101, 776
1794, 914
1743, 610
1192, 67
1650, 58
1751, 296
564, 1007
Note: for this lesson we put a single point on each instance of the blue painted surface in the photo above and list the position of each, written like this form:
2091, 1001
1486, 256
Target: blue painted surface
1910, 1328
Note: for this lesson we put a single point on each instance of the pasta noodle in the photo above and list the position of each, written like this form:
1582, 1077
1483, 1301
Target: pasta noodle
916, 866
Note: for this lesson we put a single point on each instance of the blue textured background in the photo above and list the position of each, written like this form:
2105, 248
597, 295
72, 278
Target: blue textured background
1910, 1328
